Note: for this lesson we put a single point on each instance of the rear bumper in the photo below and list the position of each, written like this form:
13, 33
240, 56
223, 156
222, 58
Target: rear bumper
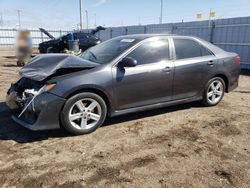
43, 115
233, 86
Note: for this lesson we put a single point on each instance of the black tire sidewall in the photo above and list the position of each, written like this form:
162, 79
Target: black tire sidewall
205, 100
50, 50
19, 63
65, 122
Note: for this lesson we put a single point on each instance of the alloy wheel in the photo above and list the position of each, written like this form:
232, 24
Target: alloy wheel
85, 114
215, 92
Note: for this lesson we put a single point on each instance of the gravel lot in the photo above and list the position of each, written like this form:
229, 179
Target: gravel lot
183, 146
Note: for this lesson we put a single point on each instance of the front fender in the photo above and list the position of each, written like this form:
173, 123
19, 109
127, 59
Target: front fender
98, 79
86, 87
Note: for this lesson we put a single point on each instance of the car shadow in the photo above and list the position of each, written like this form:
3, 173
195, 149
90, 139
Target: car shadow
149, 113
10, 57
9, 130
9, 65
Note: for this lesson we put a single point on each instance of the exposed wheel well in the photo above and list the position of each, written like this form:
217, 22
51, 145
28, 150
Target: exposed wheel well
225, 80
96, 91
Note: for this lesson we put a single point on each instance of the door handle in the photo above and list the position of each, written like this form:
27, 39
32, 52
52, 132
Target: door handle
211, 63
167, 69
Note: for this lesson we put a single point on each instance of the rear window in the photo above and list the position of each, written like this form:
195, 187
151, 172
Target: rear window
186, 48
82, 36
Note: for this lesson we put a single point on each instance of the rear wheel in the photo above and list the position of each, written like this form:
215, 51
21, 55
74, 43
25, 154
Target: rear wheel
214, 92
83, 113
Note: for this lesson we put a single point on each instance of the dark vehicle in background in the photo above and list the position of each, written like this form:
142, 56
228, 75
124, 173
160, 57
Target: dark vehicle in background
58, 45
122, 75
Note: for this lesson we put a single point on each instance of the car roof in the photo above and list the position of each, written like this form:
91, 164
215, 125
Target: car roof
81, 32
143, 36
140, 37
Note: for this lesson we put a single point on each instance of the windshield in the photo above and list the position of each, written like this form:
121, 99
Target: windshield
108, 51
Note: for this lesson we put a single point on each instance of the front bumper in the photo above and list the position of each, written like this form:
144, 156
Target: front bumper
43, 114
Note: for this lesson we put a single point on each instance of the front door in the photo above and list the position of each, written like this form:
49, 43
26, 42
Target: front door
147, 83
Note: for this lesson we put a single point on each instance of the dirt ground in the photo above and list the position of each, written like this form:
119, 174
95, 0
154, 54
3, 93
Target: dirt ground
182, 146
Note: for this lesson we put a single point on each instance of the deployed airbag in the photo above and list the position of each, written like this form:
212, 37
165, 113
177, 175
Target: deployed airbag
43, 66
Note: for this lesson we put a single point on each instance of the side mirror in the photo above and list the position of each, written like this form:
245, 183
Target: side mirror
127, 62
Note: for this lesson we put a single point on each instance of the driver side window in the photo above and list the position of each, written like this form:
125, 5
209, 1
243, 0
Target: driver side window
151, 52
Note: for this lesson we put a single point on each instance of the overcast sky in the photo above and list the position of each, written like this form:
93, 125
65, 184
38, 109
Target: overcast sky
64, 14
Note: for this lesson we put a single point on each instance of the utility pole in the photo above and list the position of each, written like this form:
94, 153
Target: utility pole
81, 11
95, 20
161, 11
19, 17
209, 22
1, 19
87, 19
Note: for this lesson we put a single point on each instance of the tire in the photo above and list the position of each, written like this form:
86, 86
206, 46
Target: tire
78, 117
42, 51
19, 63
50, 50
214, 91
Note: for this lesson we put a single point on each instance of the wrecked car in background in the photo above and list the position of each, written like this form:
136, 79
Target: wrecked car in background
58, 45
123, 75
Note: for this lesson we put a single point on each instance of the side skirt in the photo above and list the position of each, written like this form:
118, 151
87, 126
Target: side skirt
155, 106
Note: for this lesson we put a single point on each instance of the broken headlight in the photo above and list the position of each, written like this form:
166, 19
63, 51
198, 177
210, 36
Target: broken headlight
48, 87
32, 94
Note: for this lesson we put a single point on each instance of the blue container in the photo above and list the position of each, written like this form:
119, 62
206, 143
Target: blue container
71, 36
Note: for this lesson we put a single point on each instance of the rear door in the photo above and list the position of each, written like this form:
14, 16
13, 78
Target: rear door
150, 81
194, 64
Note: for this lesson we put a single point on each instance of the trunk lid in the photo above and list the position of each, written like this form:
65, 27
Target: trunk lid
46, 33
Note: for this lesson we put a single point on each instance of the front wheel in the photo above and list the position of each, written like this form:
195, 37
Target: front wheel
214, 91
50, 50
83, 113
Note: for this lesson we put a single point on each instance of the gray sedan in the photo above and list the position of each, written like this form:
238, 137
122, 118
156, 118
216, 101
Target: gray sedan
122, 75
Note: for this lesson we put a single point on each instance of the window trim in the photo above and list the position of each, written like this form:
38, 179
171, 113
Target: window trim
211, 53
192, 39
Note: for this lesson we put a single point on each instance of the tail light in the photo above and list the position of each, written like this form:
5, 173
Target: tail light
237, 59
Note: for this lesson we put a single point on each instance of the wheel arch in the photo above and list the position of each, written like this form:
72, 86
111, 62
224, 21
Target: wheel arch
225, 79
97, 91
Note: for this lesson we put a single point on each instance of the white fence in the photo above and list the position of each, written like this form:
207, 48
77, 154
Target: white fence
8, 36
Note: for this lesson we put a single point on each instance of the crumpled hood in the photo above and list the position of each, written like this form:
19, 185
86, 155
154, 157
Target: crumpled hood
43, 66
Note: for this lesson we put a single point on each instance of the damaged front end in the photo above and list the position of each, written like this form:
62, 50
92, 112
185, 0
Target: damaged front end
30, 99
21, 92
31, 102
